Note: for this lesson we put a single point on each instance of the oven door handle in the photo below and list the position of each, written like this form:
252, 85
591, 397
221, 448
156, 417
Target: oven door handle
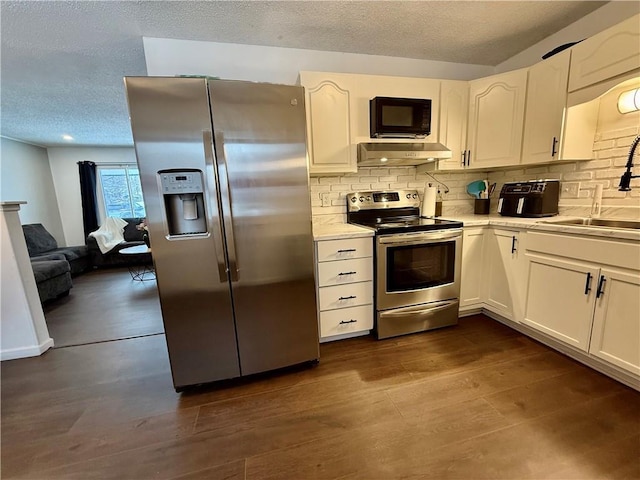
421, 237
412, 311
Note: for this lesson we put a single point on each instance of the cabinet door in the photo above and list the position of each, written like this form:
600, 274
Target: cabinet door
328, 128
472, 273
561, 298
454, 105
546, 100
609, 53
616, 322
496, 118
502, 251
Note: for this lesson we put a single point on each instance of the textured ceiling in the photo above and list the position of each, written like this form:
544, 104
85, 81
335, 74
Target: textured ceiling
62, 62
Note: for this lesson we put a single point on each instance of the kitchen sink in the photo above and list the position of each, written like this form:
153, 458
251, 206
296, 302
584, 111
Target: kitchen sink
599, 222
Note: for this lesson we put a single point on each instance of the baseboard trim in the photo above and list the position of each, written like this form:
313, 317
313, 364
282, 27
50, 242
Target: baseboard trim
609, 370
24, 352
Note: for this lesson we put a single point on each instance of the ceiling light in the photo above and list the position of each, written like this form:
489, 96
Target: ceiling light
384, 159
629, 101
66, 137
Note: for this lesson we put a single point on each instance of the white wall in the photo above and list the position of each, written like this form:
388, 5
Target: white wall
64, 168
25, 175
597, 21
23, 330
281, 65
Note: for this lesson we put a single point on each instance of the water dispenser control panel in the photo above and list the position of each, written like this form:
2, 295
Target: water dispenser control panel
181, 182
183, 193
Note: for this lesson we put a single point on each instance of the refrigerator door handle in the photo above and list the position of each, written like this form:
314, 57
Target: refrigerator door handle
225, 200
214, 206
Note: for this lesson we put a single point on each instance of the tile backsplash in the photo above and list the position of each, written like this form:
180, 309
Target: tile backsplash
611, 148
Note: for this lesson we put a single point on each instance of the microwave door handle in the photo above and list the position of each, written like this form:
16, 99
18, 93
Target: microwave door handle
214, 204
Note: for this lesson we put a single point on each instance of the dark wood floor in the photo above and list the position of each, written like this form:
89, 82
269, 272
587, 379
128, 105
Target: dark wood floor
474, 401
104, 305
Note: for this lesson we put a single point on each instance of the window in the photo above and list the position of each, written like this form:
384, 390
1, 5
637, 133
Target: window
120, 192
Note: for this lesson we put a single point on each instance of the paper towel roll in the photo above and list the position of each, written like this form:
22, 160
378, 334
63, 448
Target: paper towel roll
429, 202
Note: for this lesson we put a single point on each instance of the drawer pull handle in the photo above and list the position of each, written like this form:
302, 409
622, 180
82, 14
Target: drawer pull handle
346, 273
344, 322
347, 250
347, 298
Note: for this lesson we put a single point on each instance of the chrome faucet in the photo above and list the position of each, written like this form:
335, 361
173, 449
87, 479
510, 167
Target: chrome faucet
625, 180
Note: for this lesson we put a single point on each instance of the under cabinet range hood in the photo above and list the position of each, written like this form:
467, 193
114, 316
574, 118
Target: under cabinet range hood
403, 154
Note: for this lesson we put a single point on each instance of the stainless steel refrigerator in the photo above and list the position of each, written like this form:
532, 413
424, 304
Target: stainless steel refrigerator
225, 183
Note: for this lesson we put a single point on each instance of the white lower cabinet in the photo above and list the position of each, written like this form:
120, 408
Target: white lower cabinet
615, 334
344, 274
585, 292
472, 274
504, 273
561, 298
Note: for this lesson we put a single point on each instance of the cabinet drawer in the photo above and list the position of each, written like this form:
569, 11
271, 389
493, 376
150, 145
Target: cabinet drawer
349, 295
345, 271
346, 320
330, 250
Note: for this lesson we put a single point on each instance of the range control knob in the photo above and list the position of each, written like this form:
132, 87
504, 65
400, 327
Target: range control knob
368, 198
408, 195
354, 199
361, 199
415, 195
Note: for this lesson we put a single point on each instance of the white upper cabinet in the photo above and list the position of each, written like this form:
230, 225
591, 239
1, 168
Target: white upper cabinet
546, 101
608, 54
338, 114
454, 107
328, 125
496, 119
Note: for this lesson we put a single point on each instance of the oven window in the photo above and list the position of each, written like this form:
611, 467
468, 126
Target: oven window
415, 267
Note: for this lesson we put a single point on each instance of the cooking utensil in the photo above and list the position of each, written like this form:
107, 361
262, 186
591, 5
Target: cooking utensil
475, 188
491, 189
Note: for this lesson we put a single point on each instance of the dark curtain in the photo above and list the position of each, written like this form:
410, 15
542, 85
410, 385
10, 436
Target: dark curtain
87, 171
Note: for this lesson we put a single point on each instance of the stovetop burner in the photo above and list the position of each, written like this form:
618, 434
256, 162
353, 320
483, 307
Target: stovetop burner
392, 212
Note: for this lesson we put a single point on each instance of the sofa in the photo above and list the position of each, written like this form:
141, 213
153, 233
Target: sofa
113, 258
53, 276
53, 266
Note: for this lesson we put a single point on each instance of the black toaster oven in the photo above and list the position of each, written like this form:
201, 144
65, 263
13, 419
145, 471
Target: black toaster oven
535, 198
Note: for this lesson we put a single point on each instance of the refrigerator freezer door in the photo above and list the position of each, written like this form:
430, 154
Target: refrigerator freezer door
170, 119
261, 154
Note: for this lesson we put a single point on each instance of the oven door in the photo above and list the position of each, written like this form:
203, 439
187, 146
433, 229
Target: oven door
415, 268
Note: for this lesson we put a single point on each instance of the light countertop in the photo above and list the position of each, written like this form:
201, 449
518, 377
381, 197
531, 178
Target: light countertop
335, 231
345, 230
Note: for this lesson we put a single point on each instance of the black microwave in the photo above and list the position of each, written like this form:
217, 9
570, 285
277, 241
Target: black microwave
399, 117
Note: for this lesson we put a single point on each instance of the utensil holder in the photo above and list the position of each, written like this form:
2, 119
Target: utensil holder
481, 206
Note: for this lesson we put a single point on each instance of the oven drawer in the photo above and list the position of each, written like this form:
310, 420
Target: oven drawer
342, 296
330, 250
346, 320
345, 271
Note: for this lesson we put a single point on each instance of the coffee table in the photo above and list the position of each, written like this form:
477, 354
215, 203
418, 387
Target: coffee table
139, 273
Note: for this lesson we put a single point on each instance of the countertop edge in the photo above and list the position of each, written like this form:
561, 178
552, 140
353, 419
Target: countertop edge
346, 230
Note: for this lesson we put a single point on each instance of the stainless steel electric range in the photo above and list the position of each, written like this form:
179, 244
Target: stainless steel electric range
417, 262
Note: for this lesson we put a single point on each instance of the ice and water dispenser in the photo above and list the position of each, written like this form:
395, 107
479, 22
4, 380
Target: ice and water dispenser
183, 194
